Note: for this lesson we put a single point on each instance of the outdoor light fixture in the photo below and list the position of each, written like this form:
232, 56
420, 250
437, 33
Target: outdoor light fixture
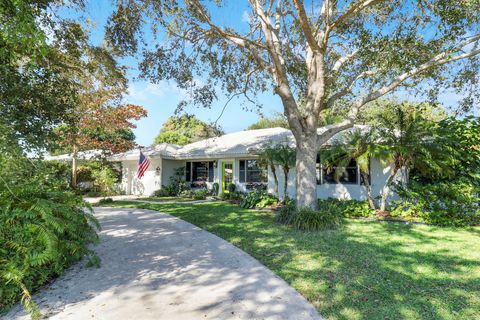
215, 163
157, 170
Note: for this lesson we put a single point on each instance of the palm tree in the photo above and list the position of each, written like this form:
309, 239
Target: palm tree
361, 147
285, 156
405, 142
266, 158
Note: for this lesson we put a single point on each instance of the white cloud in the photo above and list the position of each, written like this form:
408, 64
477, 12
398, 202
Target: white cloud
143, 91
245, 17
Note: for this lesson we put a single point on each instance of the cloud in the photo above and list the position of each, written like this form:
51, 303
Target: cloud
143, 91
245, 17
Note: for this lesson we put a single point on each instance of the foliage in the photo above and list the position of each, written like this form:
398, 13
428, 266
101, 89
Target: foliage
163, 192
329, 216
215, 188
105, 179
231, 187
285, 156
440, 203
103, 175
259, 199
200, 194
186, 129
233, 196
348, 208
278, 120
177, 183
44, 227
105, 201
380, 111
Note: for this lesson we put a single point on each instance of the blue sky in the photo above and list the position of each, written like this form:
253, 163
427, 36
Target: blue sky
161, 99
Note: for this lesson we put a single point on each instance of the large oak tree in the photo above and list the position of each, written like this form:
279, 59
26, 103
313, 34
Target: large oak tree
314, 56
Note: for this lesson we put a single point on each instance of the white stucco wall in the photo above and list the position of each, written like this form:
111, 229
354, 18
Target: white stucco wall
150, 182
379, 175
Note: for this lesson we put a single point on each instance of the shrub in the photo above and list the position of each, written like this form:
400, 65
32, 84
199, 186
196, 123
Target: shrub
231, 187
286, 213
330, 217
163, 192
442, 203
234, 196
312, 220
105, 201
349, 208
44, 228
200, 194
215, 189
258, 198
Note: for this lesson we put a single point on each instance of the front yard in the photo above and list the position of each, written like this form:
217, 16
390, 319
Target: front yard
367, 270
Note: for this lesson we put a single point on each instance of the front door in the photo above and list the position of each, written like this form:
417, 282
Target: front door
227, 175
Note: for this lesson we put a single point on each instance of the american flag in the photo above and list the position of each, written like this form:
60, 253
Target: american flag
143, 164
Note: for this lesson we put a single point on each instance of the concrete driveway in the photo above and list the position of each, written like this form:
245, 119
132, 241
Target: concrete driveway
155, 266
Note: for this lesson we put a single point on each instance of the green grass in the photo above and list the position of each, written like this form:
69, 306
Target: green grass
164, 199
366, 270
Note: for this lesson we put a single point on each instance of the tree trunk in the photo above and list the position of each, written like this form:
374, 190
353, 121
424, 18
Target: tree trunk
275, 178
285, 184
74, 166
386, 189
306, 170
371, 202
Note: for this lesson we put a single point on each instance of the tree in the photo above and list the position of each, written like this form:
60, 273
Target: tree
277, 120
99, 119
405, 142
267, 155
284, 156
186, 129
361, 146
314, 58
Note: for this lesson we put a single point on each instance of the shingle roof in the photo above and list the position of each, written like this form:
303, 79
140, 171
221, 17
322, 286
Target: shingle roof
235, 144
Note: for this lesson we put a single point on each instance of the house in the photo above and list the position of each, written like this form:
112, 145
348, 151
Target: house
229, 159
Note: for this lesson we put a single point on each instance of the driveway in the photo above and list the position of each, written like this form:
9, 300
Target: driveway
155, 266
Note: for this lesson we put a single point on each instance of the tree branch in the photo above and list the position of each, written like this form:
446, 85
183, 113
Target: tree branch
305, 25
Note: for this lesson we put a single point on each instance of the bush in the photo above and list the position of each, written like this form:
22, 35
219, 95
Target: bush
441, 203
105, 201
163, 192
286, 213
258, 198
231, 187
215, 189
44, 227
329, 217
349, 208
234, 196
200, 194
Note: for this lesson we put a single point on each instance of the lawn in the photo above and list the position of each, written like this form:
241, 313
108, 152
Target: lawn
164, 199
367, 270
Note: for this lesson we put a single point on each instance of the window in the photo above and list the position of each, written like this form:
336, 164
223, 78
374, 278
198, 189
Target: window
333, 174
251, 172
188, 171
199, 172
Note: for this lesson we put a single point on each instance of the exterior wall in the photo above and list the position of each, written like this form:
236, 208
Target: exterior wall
153, 180
379, 175
150, 182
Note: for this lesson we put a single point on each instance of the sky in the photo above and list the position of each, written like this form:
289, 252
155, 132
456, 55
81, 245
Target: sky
161, 99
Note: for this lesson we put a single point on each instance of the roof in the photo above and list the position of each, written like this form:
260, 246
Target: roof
81, 155
235, 144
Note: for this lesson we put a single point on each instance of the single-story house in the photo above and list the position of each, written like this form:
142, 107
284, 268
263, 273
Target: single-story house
229, 159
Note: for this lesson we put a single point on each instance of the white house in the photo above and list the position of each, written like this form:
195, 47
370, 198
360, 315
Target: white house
229, 159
